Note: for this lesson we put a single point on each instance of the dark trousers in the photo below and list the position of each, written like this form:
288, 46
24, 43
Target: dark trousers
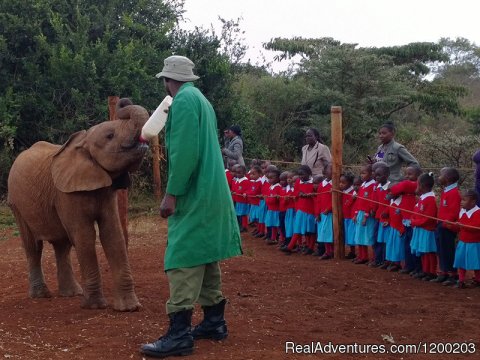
412, 262
378, 248
445, 240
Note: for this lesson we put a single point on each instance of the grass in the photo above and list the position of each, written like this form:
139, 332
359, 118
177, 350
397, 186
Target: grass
7, 220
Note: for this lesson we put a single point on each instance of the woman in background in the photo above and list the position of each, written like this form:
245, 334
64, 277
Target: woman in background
234, 147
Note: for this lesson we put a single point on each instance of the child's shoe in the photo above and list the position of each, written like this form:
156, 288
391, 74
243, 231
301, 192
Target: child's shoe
440, 278
460, 285
350, 255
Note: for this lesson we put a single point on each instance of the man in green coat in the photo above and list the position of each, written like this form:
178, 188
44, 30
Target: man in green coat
202, 225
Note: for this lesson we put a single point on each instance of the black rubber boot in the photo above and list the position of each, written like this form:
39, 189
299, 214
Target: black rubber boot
177, 341
213, 325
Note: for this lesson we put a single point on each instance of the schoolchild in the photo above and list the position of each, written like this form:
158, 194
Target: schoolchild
304, 225
364, 217
272, 199
467, 255
348, 201
423, 238
448, 211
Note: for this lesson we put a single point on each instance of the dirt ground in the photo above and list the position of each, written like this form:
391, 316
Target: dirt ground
273, 298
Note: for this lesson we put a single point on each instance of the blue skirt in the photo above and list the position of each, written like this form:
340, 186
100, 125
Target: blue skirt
289, 222
262, 211
325, 228
395, 247
254, 213
383, 233
304, 223
467, 256
349, 232
423, 241
242, 209
272, 218
364, 235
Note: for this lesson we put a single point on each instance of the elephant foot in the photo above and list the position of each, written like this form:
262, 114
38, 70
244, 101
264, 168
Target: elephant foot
94, 303
126, 303
40, 291
71, 290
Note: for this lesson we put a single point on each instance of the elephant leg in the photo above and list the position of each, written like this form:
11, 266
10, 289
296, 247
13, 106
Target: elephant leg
38, 287
113, 243
84, 241
67, 285
33, 250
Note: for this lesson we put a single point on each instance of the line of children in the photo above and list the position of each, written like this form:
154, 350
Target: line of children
292, 201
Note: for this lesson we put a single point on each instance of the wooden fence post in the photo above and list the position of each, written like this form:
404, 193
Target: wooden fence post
337, 162
157, 190
122, 194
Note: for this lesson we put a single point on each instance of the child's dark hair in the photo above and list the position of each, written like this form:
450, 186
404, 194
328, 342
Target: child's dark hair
304, 169
257, 169
427, 180
471, 193
368, 167
276, 172
389, 126
349, 177
452, 174
417, 169
357, 179
381, 166
242, 167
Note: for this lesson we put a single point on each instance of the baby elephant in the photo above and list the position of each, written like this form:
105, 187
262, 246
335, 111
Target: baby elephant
58, 193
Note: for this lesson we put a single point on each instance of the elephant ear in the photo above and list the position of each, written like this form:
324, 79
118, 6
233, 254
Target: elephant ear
73, 169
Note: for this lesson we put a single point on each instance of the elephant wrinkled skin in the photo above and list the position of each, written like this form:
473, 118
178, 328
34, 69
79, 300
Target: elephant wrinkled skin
58, 193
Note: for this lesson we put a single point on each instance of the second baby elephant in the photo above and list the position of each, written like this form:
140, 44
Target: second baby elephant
58, 193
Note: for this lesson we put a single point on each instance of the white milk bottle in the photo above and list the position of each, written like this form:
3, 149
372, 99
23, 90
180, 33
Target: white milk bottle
157, 121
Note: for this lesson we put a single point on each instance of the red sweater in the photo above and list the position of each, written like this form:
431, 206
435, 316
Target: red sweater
273, 203
348, 203
426, 205
381, 196
449, 207
240, 187
326, 196
406, 189
254, 190
395, 216
229, 176
286, 203
304, 204
366, 191
468, 235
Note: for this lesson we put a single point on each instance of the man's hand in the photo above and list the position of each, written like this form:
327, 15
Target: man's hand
167, 207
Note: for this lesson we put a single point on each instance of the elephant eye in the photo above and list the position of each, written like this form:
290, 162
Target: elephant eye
110, 136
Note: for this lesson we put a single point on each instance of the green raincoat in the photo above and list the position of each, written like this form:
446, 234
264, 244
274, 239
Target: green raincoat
203, 228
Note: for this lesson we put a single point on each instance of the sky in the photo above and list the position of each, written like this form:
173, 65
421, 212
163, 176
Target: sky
365, 22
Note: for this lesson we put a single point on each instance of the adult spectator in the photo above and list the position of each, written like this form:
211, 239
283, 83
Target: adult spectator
234, 146
476, 160
202, 225
395, 155
315, 154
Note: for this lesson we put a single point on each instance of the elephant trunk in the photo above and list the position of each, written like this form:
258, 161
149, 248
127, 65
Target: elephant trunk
135, 117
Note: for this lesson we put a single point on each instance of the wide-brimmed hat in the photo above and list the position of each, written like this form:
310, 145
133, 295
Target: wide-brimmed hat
178, 68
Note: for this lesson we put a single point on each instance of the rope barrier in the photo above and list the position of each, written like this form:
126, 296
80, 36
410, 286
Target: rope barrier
355, 165
366, 199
